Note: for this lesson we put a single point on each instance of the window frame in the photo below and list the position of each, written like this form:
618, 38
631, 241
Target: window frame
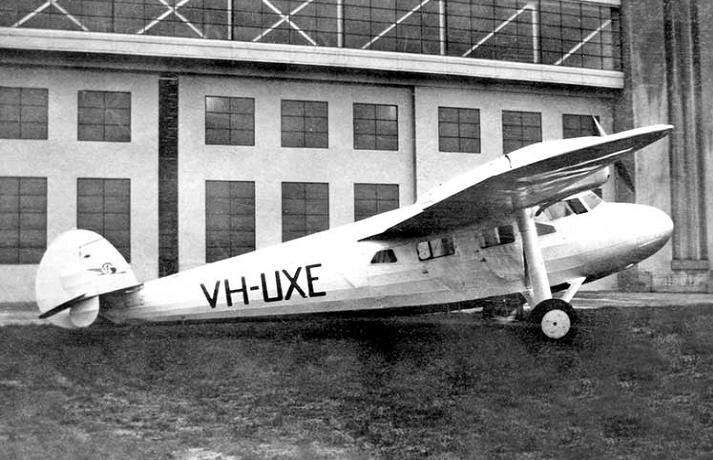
233, 102
235, 225
124, 249
85, 111
378, 202
21, 211
313, 195
374, 136
460, 139
445, 244
25, 97
304, 119
521, 126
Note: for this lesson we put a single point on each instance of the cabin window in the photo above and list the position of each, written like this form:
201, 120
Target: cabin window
544, 229
558, 211
439, 247
576, 206
504, 234
592, 200
385, 256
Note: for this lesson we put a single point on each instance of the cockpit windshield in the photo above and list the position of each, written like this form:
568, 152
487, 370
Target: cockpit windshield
577, 204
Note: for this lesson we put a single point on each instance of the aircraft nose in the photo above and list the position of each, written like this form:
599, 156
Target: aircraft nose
656, 229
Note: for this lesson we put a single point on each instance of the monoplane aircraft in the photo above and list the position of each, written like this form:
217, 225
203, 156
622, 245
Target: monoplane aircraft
526, 223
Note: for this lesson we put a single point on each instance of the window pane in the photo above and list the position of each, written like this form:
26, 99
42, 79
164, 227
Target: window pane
23, 113
230, 219
104, 116
305, 124
375, 127
104, 206
23, 219
229, 120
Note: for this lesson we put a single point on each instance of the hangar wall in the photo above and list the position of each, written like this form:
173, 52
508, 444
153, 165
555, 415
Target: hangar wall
61, 159
666, 55
664, 67
415, 167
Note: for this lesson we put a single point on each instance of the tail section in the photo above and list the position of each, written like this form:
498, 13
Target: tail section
76, 269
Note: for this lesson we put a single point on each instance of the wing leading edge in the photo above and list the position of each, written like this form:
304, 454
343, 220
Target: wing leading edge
539, 173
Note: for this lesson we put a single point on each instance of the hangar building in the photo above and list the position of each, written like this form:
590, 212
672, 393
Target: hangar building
186, 131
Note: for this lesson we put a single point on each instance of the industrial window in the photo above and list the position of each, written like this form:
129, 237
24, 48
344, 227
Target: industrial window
23, 219
579, 34
458, 130
229, 219
305, 124
385, 256
305, 209
229, 120
497, 236
578, 126
376, 127
520, 129
501, 30
439, 247
104, 116
372, 199
409, 26
23, 113
104, 206
311, 22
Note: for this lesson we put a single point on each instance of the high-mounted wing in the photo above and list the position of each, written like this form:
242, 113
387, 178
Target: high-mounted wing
539, 173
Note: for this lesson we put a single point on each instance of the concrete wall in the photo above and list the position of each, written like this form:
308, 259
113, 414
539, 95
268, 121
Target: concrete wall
434, 167
269, 164
668, 63
62, 159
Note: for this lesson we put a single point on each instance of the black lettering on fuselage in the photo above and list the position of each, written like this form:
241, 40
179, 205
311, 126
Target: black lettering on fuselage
278, 286
311, 279
212, 301
294, 286
229, 292
294, 283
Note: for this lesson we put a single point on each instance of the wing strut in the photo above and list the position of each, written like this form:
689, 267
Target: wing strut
533, 255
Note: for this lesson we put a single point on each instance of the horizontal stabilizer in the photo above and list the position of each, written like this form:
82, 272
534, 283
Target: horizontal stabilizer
76, 269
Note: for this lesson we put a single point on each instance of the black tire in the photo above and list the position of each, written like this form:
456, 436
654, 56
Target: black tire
555, 319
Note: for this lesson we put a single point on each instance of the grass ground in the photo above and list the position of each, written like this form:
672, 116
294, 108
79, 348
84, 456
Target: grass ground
635, 383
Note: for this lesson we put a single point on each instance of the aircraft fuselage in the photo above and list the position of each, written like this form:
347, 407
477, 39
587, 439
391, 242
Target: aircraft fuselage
334, 272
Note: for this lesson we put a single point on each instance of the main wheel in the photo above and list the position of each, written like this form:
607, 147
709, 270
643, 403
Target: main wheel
555, 318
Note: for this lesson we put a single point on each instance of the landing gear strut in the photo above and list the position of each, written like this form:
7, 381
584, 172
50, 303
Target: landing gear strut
555, 317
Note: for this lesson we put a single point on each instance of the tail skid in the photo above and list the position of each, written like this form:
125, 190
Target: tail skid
76, 269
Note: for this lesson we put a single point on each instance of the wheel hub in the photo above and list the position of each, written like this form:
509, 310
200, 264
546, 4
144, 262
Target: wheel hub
555, 324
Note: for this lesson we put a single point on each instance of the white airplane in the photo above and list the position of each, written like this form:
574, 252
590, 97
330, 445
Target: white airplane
526, 222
